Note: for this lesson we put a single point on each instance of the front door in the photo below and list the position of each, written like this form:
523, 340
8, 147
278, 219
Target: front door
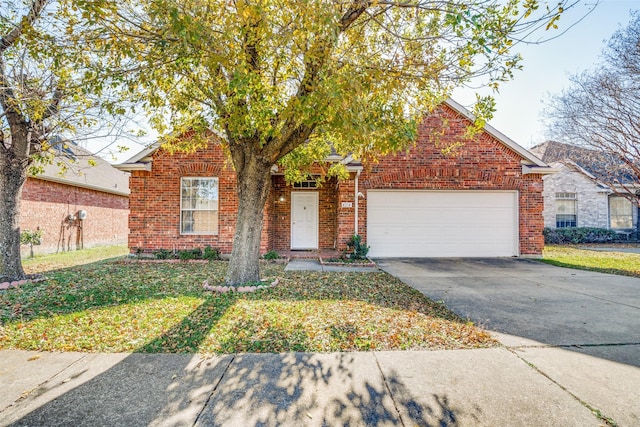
304, 220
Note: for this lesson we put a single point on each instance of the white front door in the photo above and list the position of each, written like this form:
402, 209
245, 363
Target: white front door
304, 220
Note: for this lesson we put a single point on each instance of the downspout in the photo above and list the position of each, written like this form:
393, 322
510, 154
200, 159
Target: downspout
355, 220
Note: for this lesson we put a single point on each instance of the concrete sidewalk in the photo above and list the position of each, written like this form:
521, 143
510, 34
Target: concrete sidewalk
528, 386
307, 264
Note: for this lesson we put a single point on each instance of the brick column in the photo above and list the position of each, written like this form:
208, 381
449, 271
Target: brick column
531, 219
345, 211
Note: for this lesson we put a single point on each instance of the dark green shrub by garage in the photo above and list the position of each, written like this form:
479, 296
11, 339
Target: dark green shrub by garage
578, 235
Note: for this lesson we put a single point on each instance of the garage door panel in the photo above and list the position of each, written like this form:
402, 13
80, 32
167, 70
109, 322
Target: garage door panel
442, 224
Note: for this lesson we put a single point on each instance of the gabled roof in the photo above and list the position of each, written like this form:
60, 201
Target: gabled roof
597, 165
80, 173
530, 163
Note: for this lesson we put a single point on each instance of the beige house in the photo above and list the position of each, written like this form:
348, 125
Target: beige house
577, 196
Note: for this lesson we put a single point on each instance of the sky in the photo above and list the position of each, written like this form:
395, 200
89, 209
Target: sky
547, 68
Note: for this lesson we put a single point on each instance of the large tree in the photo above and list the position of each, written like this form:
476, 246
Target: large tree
287, 80
32, 92
43, 94
600, 110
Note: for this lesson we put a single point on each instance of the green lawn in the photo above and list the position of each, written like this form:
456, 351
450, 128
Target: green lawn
44, 263
627, 264
121, 306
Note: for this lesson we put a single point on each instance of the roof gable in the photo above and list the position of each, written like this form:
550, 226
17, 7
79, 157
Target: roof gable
101, 176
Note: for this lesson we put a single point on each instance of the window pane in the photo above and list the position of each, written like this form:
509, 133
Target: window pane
620, 205
620, 212
187, 222
565, 221
205, 221
567, 207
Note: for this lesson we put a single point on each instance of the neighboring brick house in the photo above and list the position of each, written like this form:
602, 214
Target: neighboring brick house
580, 193
484, 200
57, 202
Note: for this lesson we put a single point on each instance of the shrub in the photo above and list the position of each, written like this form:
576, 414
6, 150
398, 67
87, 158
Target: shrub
271, 255
356, 248
163, 254
211, 253
578, 235
31, 238
187, 254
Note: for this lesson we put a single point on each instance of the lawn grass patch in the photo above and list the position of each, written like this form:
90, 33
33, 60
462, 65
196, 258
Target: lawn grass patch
626, 264
117, 306
48, 262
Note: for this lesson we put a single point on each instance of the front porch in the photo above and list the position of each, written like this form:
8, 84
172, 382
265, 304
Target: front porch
309, 219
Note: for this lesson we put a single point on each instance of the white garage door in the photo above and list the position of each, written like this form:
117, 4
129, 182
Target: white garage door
415, 223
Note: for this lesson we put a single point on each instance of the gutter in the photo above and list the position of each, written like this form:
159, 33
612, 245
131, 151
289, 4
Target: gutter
355, 220
81, 185
128, 167
539, 170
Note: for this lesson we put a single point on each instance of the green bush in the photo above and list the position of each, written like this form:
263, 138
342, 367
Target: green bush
578, 235
187, 254
356, 248
211, 253
271, 255
31, 238
163, 254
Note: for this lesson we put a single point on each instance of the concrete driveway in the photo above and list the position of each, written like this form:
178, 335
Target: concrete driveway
579, 329
531, 303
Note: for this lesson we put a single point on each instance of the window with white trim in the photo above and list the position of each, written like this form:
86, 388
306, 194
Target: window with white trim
566, 210
620, 213
198, 205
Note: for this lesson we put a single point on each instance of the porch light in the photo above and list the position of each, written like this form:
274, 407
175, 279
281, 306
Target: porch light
281, 198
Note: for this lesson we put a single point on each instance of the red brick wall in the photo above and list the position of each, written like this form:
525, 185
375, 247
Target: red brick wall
482, 163
531, 219
155, 201
47, 204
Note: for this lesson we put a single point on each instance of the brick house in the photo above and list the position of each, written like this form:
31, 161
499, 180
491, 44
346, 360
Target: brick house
485, 200
580, 194
55, 202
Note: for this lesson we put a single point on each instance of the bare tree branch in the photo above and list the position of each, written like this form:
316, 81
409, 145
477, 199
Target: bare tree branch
601, 110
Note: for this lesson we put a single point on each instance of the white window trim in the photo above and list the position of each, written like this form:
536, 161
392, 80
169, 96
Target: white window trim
211, 233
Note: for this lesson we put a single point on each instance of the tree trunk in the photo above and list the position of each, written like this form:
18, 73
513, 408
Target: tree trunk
12, 178
254, 183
